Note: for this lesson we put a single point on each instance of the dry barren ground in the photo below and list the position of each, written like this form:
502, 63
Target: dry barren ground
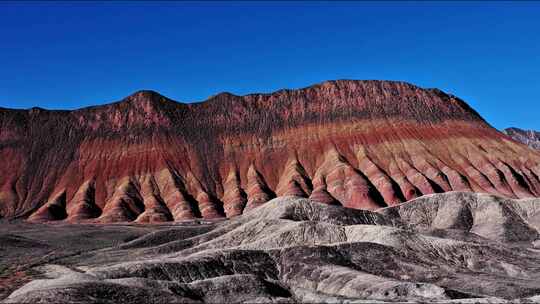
24, 247
452, 247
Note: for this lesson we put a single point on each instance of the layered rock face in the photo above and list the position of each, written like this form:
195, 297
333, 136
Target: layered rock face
528, 137
359, 144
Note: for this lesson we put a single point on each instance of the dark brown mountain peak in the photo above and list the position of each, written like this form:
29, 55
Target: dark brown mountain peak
146, 99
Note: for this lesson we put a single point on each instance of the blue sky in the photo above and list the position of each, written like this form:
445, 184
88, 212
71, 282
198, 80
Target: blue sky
62, 55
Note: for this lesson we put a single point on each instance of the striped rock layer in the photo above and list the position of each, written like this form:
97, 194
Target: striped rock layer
359, 144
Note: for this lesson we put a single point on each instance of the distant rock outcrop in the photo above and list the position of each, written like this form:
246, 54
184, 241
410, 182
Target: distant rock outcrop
529, 137
359, 144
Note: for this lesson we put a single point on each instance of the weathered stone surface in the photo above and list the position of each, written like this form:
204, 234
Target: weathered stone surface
488, 216
234, 197
53, 210
257, 190
83, 205
125, 205
528, 137
455, 247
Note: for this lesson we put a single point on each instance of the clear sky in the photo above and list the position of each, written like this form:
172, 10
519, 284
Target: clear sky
62, 55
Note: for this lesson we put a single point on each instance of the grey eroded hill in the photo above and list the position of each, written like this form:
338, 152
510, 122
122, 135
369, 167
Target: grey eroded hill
452, 247
530, 138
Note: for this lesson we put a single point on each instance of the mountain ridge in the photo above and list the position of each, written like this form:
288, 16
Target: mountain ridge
363, 144
155, 94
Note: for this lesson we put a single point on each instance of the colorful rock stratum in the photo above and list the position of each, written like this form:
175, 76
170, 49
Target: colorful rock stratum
360, 144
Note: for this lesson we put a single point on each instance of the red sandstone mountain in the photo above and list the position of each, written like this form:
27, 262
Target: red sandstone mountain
360, 144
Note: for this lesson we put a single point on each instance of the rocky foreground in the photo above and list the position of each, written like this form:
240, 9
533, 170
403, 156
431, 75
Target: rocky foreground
440, 248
